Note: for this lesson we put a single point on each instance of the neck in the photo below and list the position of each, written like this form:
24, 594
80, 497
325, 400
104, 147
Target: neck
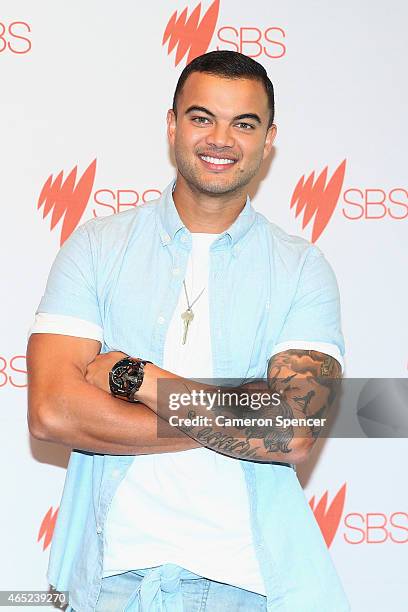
201, 212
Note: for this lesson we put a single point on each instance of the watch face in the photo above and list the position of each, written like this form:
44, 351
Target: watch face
126, 377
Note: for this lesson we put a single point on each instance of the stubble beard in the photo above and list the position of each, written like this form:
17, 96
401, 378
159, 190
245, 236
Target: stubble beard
192, 176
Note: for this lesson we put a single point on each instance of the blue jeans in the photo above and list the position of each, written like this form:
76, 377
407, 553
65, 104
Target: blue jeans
168, 588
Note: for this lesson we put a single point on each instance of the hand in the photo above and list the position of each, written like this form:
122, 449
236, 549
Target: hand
97, 372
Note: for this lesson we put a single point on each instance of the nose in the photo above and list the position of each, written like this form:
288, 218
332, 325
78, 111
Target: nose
220, 136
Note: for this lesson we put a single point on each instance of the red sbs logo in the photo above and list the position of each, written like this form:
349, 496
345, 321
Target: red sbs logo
67, 199
47, 527
328, 518
318, 199
13, 371
11, 39
191, 35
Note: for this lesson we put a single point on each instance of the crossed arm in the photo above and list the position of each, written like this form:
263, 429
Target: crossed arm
303, 381
70, 403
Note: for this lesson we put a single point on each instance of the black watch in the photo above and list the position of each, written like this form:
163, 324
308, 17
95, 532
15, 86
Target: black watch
126, 377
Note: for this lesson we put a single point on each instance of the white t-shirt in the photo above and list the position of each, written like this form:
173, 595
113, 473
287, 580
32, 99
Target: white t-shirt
190, 507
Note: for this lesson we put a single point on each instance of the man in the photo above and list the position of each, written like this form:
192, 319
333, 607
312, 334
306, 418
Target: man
194, 285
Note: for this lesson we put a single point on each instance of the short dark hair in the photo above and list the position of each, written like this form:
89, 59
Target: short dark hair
230, 65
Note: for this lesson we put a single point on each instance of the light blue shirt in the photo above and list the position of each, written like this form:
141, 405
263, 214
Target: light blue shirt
267, 290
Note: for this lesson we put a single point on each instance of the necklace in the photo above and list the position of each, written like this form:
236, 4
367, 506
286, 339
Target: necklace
188, 315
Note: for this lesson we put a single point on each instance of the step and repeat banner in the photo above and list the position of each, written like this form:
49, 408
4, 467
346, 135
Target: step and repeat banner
85, 86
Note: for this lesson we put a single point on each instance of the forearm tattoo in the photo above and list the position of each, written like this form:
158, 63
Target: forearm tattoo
306, 382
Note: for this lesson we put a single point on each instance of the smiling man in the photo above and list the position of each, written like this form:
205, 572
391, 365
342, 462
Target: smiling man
196, 285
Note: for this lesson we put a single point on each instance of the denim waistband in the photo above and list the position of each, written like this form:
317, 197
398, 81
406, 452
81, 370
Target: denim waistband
159, 590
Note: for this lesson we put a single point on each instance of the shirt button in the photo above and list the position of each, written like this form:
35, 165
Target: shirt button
176, 271
161, 320
184, 239
99, 530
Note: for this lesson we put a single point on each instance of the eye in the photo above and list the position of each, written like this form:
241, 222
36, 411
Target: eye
200, 120
245, 126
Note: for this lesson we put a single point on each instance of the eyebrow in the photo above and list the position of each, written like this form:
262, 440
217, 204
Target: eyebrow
202, 109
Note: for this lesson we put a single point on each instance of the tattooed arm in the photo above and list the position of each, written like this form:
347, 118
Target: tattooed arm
309, 380
305, 382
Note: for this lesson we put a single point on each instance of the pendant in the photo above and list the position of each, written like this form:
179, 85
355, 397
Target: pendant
187, 317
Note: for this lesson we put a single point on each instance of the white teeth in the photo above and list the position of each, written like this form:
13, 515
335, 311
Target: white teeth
216, 160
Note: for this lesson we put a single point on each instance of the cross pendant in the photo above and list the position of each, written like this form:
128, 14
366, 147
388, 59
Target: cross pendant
187, 317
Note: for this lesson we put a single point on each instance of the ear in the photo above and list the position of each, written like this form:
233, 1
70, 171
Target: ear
171, 125
270, 137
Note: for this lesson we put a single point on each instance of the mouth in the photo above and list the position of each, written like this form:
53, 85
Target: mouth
217, 164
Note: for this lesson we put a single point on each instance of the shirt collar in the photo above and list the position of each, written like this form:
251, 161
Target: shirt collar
170, 222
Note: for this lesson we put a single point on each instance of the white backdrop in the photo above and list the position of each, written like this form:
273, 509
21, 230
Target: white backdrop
91, 80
